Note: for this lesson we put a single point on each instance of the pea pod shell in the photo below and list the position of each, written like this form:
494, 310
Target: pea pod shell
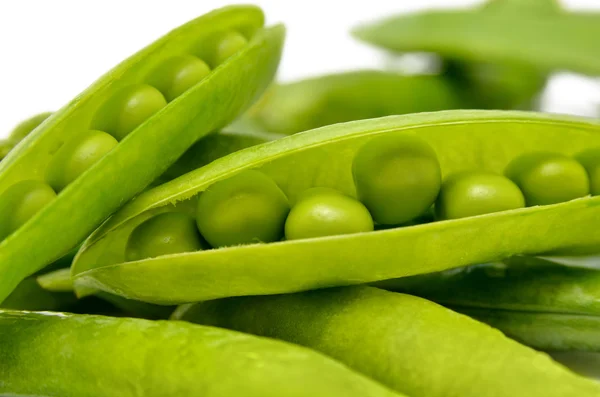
412, 345
549, 40
67, 355
146, 152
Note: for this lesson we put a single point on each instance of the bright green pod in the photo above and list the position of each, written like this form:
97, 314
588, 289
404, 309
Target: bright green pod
483, 140
590, 159
412, 345
321, 212
25, 127
531, 33
164, 234
117, 104
397, 176
244, 209
548, 178
472, 193
179, 74
69, 355
315, 102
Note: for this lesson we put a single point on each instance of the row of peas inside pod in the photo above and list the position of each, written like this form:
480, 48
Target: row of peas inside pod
115, 119
398, 181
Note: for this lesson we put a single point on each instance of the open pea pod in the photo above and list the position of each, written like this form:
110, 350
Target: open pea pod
537, 33
408, 343
544, 305
461, 140
114, 139
334, 98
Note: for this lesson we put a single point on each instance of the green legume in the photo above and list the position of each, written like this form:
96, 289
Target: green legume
548, 178
228, 45
326, 212
20, 202
590, 159
163, 234
79, 155
397, 177
179, 74
246, 208
128, 109
25, 127
471, 193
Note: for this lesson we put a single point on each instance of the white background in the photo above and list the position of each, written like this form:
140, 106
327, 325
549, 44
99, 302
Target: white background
52, 50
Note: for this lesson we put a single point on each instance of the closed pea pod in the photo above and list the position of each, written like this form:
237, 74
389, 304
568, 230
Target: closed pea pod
461, 140
152, 134
548, 178
471, 193
88, 356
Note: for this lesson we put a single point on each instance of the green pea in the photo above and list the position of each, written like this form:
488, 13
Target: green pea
316, 191
590, 159
326, 213
164, 234
179, 74
128, 109
471, 193
228, 45
397, 177
22, 201
548, 178
75, 158
25, 127
246, 208
5, 147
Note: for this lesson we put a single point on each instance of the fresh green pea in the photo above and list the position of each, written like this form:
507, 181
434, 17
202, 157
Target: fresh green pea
163, 234
246, 208
25, 127
75, 158
471, 193
325, 213
5, 147
128, 109
548, 178
229, 44
179, 74
20, 202
397, 177
590, 159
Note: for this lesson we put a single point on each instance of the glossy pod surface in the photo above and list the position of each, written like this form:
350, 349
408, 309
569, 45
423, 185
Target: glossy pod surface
461, 139
412, 345
124, 103
74, 355
536, 33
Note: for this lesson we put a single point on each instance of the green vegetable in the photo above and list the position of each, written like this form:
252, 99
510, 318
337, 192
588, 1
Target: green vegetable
471, 193
5, 147
590, 159
25, 127
482, 140
548, 178
179, 74
397, 176
117, 104
407, 343
246, 208
67, 355
164, 234
230, 43
324, 212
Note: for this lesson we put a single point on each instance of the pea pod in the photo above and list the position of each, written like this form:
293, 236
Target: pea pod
535, 33
126, 102
84, 356
329, 99
323, 157
390, 336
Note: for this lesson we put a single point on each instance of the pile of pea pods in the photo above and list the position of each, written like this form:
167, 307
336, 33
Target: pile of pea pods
188, 226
